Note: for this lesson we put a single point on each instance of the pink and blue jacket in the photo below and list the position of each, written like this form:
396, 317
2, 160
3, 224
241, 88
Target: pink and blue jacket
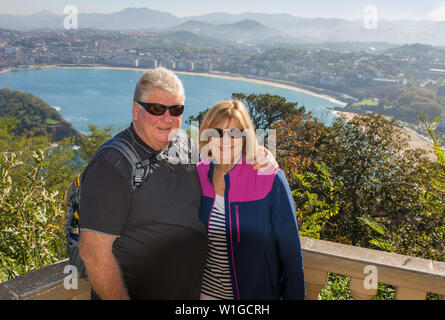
263, 243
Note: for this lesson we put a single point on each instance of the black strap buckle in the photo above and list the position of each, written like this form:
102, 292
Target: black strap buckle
137, 181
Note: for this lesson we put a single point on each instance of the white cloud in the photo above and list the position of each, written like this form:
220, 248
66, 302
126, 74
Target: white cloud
438, 14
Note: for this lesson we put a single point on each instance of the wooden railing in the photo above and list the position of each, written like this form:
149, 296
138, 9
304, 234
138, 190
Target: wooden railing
412, 277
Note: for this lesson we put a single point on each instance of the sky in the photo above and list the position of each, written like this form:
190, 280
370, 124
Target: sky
344, 9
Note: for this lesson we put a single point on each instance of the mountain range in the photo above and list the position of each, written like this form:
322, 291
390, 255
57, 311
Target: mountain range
247, 28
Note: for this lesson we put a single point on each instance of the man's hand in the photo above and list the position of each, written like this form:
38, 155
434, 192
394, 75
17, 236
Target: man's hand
102, 268
264, 161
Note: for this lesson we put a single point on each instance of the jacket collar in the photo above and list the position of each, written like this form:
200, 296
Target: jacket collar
234, 171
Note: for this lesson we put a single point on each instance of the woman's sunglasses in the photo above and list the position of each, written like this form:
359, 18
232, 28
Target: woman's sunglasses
158, 109
232, 133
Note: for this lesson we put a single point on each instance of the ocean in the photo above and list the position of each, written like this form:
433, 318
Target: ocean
104, 96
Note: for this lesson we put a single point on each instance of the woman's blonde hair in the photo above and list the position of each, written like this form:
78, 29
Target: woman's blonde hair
225, 111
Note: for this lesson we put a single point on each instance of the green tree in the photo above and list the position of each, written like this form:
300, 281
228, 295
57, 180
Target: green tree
266, 109
434, 197
382, 180
315, 201
198, 118
437, 169
60, 163
31, 219
34, 175
298, 137
91, 142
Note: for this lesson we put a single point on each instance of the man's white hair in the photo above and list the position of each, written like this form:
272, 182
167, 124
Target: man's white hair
158, 79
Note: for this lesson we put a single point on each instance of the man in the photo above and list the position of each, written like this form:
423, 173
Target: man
148, 243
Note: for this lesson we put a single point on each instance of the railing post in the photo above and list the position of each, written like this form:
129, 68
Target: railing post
409, 294
358, 290
315, 281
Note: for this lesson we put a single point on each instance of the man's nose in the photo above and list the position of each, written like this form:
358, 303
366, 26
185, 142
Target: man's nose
167, 117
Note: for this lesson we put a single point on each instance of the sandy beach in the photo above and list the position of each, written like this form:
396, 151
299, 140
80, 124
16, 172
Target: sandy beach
224, 76
266, 82
212, 75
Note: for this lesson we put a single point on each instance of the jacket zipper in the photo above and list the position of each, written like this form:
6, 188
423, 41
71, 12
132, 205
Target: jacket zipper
237, 222
213, 205
231, 237
210, 215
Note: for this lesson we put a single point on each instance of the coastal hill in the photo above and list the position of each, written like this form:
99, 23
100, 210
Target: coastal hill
418, 51
34, 115
242, 31
292, 29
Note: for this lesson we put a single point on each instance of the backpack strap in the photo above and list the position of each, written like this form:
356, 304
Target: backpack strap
138, 166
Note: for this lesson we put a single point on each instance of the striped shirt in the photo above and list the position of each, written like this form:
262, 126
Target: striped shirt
217, 283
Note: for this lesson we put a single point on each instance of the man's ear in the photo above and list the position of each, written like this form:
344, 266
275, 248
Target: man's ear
135, 110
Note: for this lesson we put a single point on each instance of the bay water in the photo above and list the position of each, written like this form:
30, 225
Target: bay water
104, 96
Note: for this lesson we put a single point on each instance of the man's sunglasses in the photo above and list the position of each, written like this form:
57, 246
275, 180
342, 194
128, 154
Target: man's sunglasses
232, 133
158, 109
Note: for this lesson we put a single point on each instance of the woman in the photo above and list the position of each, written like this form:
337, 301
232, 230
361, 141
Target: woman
254, 248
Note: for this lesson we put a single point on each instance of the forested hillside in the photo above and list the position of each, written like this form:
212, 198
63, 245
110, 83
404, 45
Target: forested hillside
34, 115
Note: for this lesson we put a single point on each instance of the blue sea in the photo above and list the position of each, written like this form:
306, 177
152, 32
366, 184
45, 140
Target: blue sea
104, 96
